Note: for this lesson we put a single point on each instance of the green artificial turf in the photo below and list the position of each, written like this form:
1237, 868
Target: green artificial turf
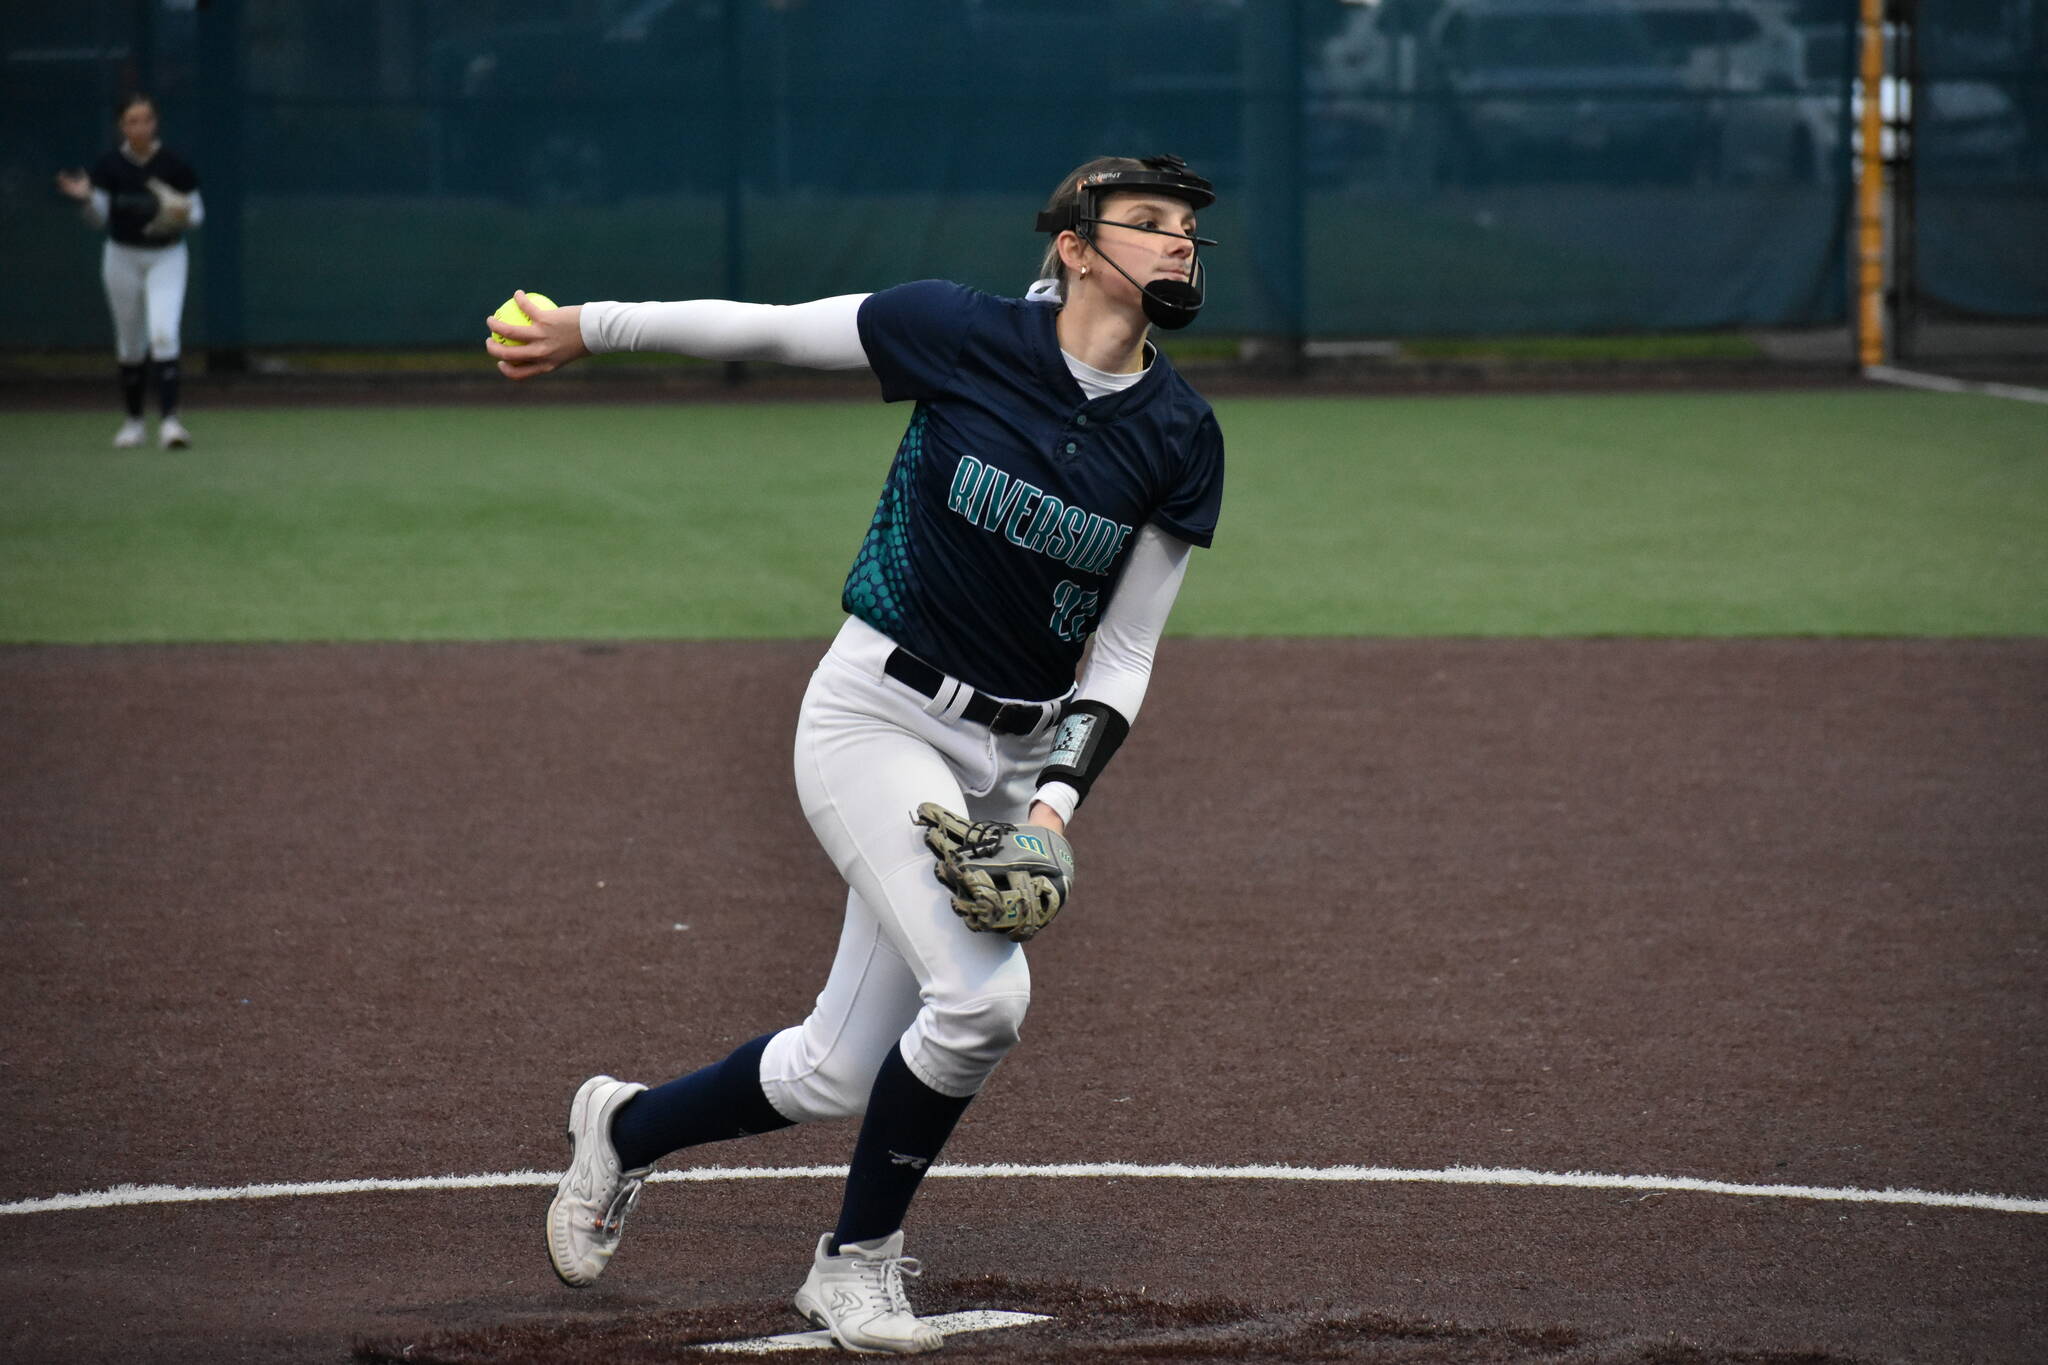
1843, 513
1637, 349
1850, 512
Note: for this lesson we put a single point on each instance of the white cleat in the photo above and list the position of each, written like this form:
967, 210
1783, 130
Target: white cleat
171, 435
130, 435
590, 1205
857, 1296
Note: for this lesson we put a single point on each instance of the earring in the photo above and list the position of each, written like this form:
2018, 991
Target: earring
1084, 272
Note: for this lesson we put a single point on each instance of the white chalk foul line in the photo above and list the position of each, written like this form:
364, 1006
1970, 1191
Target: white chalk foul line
1941, 383
122, 1196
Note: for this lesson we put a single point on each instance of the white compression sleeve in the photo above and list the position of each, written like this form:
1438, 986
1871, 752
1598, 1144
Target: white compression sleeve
1120, 662
1119, 666
98, 207
198, 211
820, 335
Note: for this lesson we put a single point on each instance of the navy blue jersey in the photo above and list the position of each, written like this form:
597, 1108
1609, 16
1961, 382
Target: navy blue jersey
130, 204
1010, 507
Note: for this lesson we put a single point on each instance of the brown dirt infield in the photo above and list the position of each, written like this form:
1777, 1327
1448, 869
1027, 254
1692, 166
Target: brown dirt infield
1757, 911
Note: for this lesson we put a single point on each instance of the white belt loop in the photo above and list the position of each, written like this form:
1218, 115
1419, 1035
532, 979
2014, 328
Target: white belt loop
950, 700
1053, 709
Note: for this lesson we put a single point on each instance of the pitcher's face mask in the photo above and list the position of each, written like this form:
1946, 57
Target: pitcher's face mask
1171, 304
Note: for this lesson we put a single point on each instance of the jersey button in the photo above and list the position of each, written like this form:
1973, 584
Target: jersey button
1081, 419
1071, 447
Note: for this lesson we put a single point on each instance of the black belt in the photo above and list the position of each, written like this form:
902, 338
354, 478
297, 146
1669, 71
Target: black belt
1004, 717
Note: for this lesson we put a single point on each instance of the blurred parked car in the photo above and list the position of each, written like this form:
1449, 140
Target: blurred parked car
1360, 86
1966, 130
1558, 89
1747, 60
1474, 91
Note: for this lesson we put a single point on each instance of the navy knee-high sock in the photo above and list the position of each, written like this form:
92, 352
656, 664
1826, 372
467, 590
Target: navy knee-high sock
133, 379
720, 1101
906, 1125
167, 387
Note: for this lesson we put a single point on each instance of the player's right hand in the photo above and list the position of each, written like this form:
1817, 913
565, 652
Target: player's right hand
75, 184
553, 339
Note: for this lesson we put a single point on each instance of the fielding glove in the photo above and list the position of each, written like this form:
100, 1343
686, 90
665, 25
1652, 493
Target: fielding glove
173, 211
1004, 879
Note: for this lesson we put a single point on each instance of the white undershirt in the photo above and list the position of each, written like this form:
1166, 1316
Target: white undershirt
1098, 383
825, 335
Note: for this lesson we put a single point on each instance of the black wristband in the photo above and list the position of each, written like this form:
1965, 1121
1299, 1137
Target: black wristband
1088, 736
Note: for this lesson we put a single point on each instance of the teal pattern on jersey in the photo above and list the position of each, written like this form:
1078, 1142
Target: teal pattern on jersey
877, 587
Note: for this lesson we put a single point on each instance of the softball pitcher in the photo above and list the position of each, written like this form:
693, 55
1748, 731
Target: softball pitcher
146, 197
1054, 475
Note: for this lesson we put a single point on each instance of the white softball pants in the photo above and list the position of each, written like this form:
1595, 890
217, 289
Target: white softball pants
908, 974
146, 294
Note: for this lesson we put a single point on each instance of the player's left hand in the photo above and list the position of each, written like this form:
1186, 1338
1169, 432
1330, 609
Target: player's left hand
1042, 814
553, 339
1004, 879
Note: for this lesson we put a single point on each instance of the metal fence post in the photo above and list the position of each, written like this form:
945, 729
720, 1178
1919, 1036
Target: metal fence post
221, 166
1273, 185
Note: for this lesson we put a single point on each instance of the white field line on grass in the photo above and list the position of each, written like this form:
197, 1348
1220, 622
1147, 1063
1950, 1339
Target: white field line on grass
1941, 383
121, 1196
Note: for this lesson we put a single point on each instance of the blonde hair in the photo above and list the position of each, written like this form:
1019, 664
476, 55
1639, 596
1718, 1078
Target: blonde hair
1051, 267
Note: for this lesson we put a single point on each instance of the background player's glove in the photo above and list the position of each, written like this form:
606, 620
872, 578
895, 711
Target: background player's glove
173, 210
1005, 879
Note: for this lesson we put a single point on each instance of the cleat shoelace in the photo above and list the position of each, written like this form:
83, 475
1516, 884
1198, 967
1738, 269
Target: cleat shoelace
622, 1204
888, 1275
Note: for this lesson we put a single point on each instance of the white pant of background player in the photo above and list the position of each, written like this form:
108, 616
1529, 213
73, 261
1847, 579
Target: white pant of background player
146, 295
868, 751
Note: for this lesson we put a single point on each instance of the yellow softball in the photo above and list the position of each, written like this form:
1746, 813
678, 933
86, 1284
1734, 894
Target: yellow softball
510, 311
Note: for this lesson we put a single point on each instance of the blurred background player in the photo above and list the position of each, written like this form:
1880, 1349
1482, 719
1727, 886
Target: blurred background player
147, 198
1055, 475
